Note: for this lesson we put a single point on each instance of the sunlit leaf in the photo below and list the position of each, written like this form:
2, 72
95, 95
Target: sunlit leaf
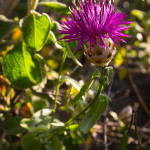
72, 82
21, 67
83, 90
72, 55
56, 6
138, 13
119, 58
36, 29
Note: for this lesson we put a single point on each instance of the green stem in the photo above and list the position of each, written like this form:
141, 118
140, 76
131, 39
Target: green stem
82, 112
57, 88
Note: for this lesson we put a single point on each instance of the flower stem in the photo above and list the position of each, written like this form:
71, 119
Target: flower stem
82, 112
57, 88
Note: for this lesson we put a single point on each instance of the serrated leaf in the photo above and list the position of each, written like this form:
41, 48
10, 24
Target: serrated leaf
56, 6
6, 26
36, 29
30, 142
21, 67
83, 90
12, 126
72, 55
93, 114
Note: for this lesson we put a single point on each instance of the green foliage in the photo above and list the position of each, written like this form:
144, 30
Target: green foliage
21, 67
93, 114
12, 126
6, 26
29, 141
36, 29
33, 80
106, 76
56, 6
83, 90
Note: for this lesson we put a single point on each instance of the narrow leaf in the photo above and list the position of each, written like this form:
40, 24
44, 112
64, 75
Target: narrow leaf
72, 55
93, 114
56, 6
83, 90
72, 82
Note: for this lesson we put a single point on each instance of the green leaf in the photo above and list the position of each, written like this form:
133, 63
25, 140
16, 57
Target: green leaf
83, 90
36, 29
28, 124
71, 81
54, 40
93, 114
96, 73
12, 126
73, 127
72, 55
6, 26
30, 142
21, 67
57, 7
55, 144
138, 13
41, 114
106, 76
105, 97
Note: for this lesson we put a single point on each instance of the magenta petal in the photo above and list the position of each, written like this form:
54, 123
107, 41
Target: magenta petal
93, 20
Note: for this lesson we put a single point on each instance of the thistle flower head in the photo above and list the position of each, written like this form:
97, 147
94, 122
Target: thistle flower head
94, 20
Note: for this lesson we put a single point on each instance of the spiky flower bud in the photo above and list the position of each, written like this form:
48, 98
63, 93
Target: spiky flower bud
97, 26
100, 56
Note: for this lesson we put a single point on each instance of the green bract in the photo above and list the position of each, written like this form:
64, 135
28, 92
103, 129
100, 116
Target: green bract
21, 67
36, 29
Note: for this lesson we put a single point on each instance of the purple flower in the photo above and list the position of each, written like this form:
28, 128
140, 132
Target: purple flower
94, 20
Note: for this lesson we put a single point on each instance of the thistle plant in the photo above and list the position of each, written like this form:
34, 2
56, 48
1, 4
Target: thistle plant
96, 28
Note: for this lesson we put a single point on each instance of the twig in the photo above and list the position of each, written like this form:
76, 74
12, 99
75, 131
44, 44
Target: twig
12, 101
131, 122
137, 132
136, 89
